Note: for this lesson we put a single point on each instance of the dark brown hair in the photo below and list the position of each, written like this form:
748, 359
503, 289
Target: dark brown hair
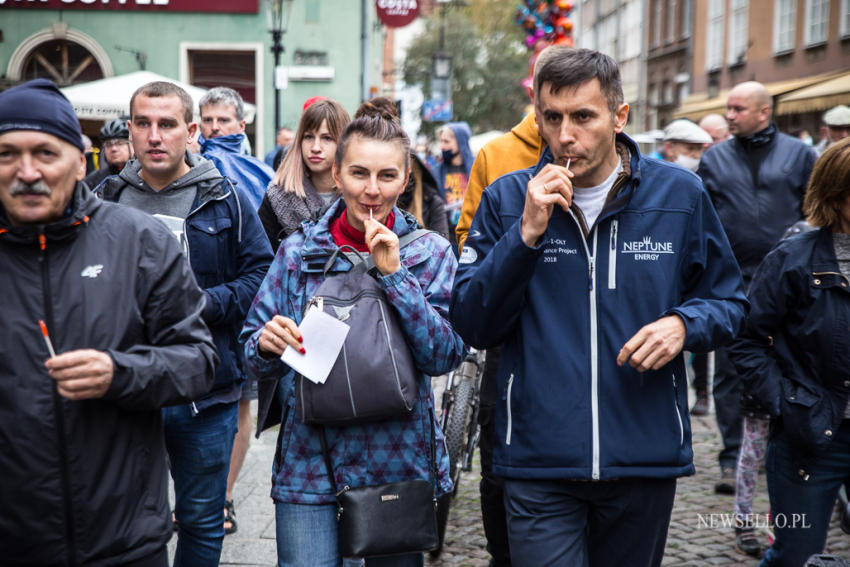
829, 186
158, 89
571, 67
375, 121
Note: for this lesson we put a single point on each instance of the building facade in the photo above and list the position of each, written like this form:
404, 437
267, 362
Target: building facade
669, 57
331, 48
793, 47
617, 28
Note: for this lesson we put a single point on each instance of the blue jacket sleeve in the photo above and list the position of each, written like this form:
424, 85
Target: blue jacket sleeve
228, 302
494, 273
421, 297
752, 352
714, 302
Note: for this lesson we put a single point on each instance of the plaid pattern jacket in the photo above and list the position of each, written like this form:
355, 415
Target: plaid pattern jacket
370, 454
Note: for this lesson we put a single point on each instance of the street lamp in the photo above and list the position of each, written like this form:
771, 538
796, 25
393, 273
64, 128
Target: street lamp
277, 16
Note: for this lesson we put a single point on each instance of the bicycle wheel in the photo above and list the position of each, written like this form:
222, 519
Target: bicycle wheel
457, 422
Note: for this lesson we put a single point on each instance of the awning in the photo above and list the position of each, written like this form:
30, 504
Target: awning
819, 97
109, 98
698, 105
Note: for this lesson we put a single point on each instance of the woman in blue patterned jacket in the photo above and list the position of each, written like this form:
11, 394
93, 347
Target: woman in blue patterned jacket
371, 168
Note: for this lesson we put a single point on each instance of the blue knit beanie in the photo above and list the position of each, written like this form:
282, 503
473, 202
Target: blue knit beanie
40, 105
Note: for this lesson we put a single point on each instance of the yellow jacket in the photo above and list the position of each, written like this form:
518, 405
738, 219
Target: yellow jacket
518, 149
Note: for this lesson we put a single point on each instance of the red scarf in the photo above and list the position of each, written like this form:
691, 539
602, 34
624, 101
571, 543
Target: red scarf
343, 233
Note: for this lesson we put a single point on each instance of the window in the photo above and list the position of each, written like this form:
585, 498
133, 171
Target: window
63, 62
670, 20
845, 18
688, 17
714, 36
817, 17
738, 32
784, 17
657, 22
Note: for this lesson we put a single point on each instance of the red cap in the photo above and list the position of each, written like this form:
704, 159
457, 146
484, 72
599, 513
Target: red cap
311, 100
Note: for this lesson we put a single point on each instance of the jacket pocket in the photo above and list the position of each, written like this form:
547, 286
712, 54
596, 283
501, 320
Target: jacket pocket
806, 417
678, 410
209, 251
508, 390
612, 256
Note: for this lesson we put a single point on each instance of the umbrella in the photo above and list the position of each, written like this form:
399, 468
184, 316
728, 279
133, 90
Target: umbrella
109, 98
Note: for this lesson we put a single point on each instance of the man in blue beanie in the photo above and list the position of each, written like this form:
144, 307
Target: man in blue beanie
101, 327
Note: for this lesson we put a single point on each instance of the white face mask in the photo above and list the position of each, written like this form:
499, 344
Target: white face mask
688, 162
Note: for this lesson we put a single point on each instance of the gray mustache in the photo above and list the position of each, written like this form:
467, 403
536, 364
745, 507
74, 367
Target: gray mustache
37, 188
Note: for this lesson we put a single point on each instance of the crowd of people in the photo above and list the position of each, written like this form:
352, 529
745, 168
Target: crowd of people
150, 301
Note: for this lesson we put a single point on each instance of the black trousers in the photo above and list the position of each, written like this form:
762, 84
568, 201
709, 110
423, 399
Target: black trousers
491, 487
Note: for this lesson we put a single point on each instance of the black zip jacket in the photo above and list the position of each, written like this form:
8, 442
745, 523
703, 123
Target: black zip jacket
85, 482
756, 209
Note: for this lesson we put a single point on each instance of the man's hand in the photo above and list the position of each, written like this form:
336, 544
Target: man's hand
654, 345
278, 334
552, 186
383, 245
81, 374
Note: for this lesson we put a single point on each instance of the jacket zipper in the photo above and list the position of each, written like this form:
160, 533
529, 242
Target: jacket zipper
612, 257
194, 406
59, 410
678, 412
594, 346
510, 416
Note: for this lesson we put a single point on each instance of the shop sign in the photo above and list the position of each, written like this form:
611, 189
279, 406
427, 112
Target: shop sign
227, 6
397, 13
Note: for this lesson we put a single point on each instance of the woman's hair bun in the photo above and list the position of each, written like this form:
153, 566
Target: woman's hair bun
382, 107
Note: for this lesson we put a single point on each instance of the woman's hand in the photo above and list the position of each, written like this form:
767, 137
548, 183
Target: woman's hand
383, 245
277, 334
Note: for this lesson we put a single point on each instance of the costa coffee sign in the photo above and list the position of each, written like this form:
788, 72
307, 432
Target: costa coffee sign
228, 6
397, 13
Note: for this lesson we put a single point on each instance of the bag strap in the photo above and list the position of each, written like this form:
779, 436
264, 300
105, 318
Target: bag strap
364, 261
329, 467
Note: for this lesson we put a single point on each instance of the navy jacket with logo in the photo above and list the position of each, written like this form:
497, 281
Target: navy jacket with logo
564, 309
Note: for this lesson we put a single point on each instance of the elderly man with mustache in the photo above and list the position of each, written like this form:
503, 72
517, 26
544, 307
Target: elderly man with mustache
101, 327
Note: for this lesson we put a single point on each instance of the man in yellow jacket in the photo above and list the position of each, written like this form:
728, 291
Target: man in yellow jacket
518, 149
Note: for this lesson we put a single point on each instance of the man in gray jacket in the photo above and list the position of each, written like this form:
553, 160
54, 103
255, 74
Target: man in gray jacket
108, 290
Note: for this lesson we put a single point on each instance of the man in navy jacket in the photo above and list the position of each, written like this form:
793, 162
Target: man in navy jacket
756, 180
230, 254
593, 269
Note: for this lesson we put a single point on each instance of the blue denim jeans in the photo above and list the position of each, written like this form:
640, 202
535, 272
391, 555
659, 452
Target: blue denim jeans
802, 508
307, 536
199, 448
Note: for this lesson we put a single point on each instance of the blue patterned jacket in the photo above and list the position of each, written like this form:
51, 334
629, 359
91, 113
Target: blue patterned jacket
362, 455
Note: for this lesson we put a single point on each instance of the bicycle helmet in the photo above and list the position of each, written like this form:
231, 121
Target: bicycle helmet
115, 128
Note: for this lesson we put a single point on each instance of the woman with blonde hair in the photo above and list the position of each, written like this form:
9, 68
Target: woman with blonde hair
303, 186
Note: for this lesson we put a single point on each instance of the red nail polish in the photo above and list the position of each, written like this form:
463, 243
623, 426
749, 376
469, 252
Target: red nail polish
303, 350
300, 339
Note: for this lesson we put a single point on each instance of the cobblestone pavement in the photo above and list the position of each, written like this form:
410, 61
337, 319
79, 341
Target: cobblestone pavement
691, 542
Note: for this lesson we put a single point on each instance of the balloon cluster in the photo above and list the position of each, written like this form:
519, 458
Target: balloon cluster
545, 22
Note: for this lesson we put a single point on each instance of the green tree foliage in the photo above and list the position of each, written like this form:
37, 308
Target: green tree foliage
489, 62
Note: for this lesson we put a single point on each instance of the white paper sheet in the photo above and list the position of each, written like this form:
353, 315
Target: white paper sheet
323, 339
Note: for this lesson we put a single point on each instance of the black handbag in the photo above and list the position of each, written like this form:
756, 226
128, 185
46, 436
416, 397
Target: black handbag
374, 377
387, 519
